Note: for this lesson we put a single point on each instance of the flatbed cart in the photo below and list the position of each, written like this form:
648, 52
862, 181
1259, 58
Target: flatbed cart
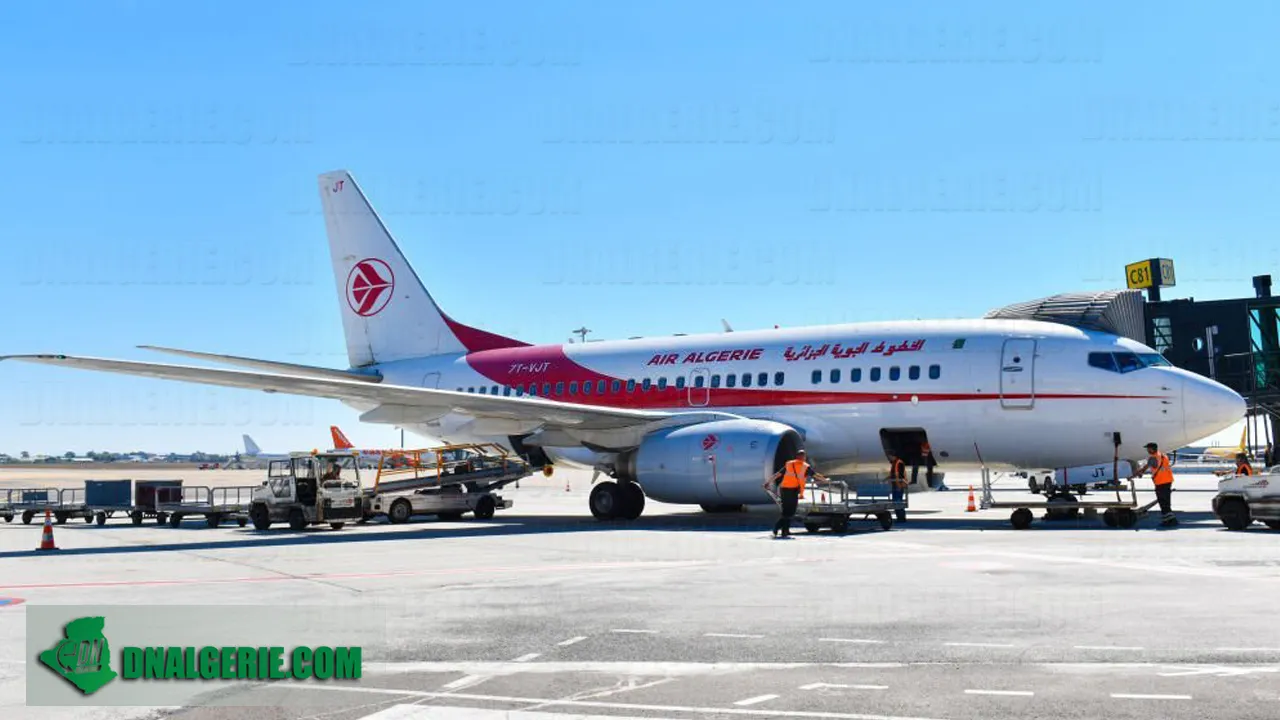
71, 504
216, 505
27, 502
830, 504
1121, 512
446, 481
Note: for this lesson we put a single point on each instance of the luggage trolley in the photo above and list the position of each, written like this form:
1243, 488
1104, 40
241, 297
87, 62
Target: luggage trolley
71, 504
134, 500
830, 504
29, 501
215, 504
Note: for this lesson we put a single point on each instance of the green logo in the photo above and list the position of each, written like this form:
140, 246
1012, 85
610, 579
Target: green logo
83, 658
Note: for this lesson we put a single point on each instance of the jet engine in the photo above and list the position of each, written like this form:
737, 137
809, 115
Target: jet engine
719, 463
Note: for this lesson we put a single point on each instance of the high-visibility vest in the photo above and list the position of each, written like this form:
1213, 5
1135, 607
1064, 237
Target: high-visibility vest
796, 472
897, 470
1244, 469
1163, 474
925, 449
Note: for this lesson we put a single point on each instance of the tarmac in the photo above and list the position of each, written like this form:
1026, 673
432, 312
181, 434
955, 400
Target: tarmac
542, 613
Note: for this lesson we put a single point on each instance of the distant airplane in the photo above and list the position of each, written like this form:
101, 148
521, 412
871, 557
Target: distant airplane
251, 450
707, 419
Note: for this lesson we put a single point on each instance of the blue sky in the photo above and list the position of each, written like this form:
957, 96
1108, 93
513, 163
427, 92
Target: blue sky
637, 168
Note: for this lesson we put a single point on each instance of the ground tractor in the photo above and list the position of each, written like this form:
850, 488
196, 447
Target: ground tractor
1241, 499
309, 489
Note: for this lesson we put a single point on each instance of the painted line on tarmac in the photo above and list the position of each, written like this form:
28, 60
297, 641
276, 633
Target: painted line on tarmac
359, 576
685, 709
1140, 696
979, 645
756, 700
528, 657
465, 681
1001, 693
571, 641
732, 635
841, 686
851, 640
633, 631
1107, 647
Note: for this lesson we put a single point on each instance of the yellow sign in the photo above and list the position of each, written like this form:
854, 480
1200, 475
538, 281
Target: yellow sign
1138, 275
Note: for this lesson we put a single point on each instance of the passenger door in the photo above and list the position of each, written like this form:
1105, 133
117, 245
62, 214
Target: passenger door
1018, 374
699, 392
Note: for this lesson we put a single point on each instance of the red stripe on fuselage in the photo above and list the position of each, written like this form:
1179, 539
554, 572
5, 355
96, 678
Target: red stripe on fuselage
549, 364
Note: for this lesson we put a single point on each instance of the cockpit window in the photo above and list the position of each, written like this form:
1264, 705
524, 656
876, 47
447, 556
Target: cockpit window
1126, 362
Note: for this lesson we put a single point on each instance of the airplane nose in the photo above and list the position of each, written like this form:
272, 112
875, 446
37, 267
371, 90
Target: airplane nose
1209, 407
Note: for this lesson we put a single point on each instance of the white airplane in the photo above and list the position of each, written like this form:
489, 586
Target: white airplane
705, 419
251, 450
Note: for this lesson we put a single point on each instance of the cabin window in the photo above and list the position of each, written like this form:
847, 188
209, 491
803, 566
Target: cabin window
895, 373
855, 375
573, 387
778, 378
494, 391
730, 380
506, 391
762, 379
913, 372
459, 389
560, 388
631, 385
646, 384
746, 379
680, 383
1128, 362
533, 389
835, 376
471, 389
715, 381
699, 381
600, 385
875, 374
586, 387
519, 391
546, 389
935, 372
482, 391
617, 386
816, 377
662, 383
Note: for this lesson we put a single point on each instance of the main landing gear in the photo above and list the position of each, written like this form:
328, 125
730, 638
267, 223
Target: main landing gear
616, 501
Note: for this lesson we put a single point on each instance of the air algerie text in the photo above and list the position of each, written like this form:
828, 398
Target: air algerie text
706, 357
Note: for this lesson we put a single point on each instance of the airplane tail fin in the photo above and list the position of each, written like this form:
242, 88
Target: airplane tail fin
387, 313
1244, 438
340, 441
251, 447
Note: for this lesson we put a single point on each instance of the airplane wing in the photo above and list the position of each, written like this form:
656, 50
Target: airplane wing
400, 402
281, 367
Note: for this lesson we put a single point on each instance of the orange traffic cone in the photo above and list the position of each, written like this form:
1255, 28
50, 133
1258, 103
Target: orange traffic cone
46, 536
972, 507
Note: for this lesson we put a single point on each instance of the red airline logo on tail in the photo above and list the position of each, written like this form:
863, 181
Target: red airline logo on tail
369, 287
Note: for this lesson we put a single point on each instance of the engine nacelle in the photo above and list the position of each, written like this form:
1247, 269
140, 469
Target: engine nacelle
719, 462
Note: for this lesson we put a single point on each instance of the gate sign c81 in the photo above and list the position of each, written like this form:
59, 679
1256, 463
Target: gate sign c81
1156, 272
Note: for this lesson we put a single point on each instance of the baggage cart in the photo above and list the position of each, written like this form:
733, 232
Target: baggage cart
216, 505
832, 504
136, 500
26, 502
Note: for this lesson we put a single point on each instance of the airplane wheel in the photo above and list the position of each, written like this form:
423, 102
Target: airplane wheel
633, 500
261, 517
605, 500
1021, 519
1235, 514
297, 521
485, 508
400, 511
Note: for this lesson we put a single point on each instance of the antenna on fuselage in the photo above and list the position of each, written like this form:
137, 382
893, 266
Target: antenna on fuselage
582, 333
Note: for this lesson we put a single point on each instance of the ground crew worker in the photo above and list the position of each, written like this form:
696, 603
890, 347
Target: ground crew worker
1162, 476
923, 457
1242, 465
791, 480
898, 484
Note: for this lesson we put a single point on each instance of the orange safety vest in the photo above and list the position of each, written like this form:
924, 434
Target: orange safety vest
925, 449
1244, 469
1163, 474
796, 472
897, 470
